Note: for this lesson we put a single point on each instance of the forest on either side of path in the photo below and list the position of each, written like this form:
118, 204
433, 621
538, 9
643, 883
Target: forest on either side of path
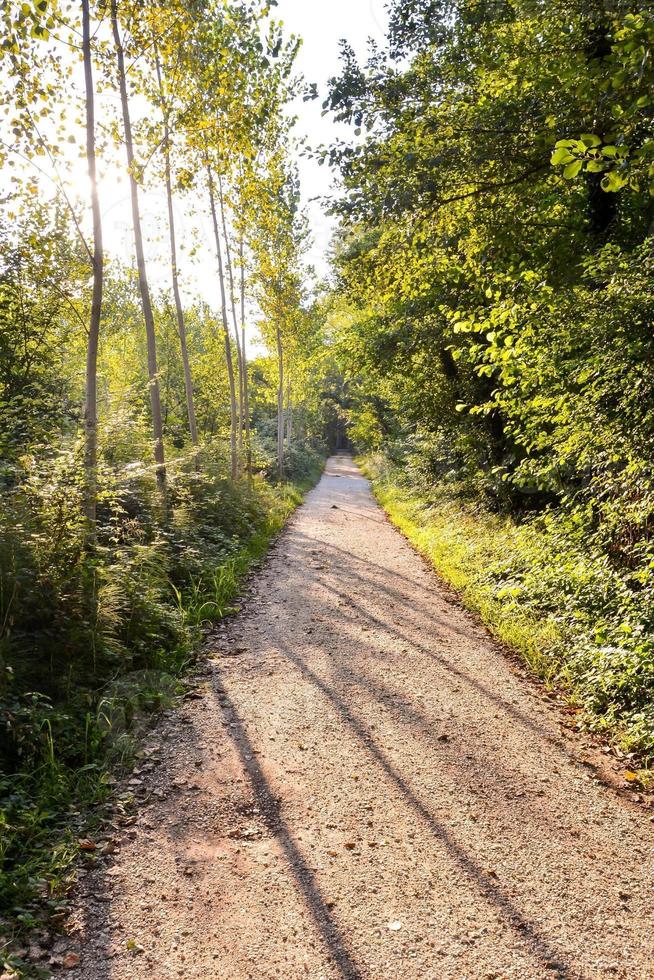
483, 339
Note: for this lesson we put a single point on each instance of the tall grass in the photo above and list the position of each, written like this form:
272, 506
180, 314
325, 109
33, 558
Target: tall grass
211, 596
544, 587
92, 643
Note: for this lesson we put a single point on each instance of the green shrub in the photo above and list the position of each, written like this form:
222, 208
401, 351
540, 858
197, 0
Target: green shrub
546, 585
93, 640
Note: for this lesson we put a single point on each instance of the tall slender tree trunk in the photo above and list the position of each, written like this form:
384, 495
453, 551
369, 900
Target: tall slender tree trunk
289, 412
91, 395
230, 279
280, 405
228, 346
144, 289
246, 393
179, 310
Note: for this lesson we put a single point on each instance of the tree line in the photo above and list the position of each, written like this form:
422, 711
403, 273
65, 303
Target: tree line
493, 302
212, 83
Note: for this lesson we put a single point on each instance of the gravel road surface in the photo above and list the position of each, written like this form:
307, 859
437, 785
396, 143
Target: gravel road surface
366, 787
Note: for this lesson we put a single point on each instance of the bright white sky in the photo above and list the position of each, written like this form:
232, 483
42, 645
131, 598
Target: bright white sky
322, 24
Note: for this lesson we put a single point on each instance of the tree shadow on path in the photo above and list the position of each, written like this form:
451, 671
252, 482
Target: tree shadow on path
270, 807
538, 945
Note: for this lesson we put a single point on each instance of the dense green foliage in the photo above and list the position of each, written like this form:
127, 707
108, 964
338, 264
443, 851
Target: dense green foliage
540, 586
494, 300
99, 641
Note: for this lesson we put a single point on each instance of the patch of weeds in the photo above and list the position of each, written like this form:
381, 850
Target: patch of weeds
142, 612
547, 591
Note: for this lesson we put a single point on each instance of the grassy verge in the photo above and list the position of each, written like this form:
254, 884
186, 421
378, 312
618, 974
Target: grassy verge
460, 545
545, 594
210, 598
67, 753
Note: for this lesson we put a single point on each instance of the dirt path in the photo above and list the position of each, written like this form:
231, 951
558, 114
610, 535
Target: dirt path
367, 788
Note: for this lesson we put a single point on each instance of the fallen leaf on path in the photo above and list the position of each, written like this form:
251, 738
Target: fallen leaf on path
71, 960
630, 776
86, 844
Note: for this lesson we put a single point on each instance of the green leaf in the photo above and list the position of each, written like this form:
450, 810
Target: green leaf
572, 169
613, 182
561, 155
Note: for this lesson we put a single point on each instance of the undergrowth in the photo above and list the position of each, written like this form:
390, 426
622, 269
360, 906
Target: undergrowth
545, 588
94, 643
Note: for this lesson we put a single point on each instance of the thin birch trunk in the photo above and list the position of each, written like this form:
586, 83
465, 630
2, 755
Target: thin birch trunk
280, 405
289, 413
228, 346
230, 278
91, 393
179, 310
246, 393
144, 289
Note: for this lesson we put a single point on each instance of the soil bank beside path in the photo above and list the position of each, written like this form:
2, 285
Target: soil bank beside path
367, 788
